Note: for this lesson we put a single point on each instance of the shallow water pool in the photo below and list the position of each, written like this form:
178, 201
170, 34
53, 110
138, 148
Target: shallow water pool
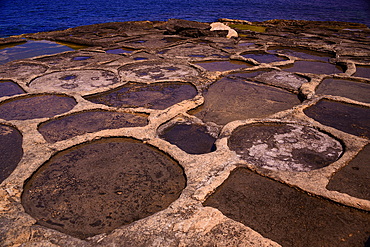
33, 48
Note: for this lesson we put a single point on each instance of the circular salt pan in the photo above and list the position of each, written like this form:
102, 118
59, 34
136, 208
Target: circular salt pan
152, 71
36, 106
94, 188
75, 81
285, 147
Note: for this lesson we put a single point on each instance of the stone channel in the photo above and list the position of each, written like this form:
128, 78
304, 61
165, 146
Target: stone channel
175, 134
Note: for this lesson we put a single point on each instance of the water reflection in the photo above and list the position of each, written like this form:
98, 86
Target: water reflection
32, 48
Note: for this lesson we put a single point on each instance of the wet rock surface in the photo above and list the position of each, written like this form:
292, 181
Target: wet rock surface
189, 51
314, 67
88, 122
282, 79
235, 99
345, 117
35, 106
286, 101
262, 57
362, 71
10, 150
353, 179
301, 53
75, 191
355, 90
153, 96
9, 88
298, 219
191, 138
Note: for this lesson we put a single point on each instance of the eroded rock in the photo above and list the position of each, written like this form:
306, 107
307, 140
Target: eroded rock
186, 28
75, 81
151, 41
194, 51
151, 71
220, 26
74, 60
11, 150
282, 79
284, 147
21, 70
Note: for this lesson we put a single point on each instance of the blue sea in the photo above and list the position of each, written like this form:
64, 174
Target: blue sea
29, 16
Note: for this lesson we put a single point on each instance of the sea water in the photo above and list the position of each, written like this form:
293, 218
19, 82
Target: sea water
29, 16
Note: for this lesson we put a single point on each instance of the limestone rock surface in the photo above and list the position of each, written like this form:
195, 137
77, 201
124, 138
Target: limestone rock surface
271, 136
